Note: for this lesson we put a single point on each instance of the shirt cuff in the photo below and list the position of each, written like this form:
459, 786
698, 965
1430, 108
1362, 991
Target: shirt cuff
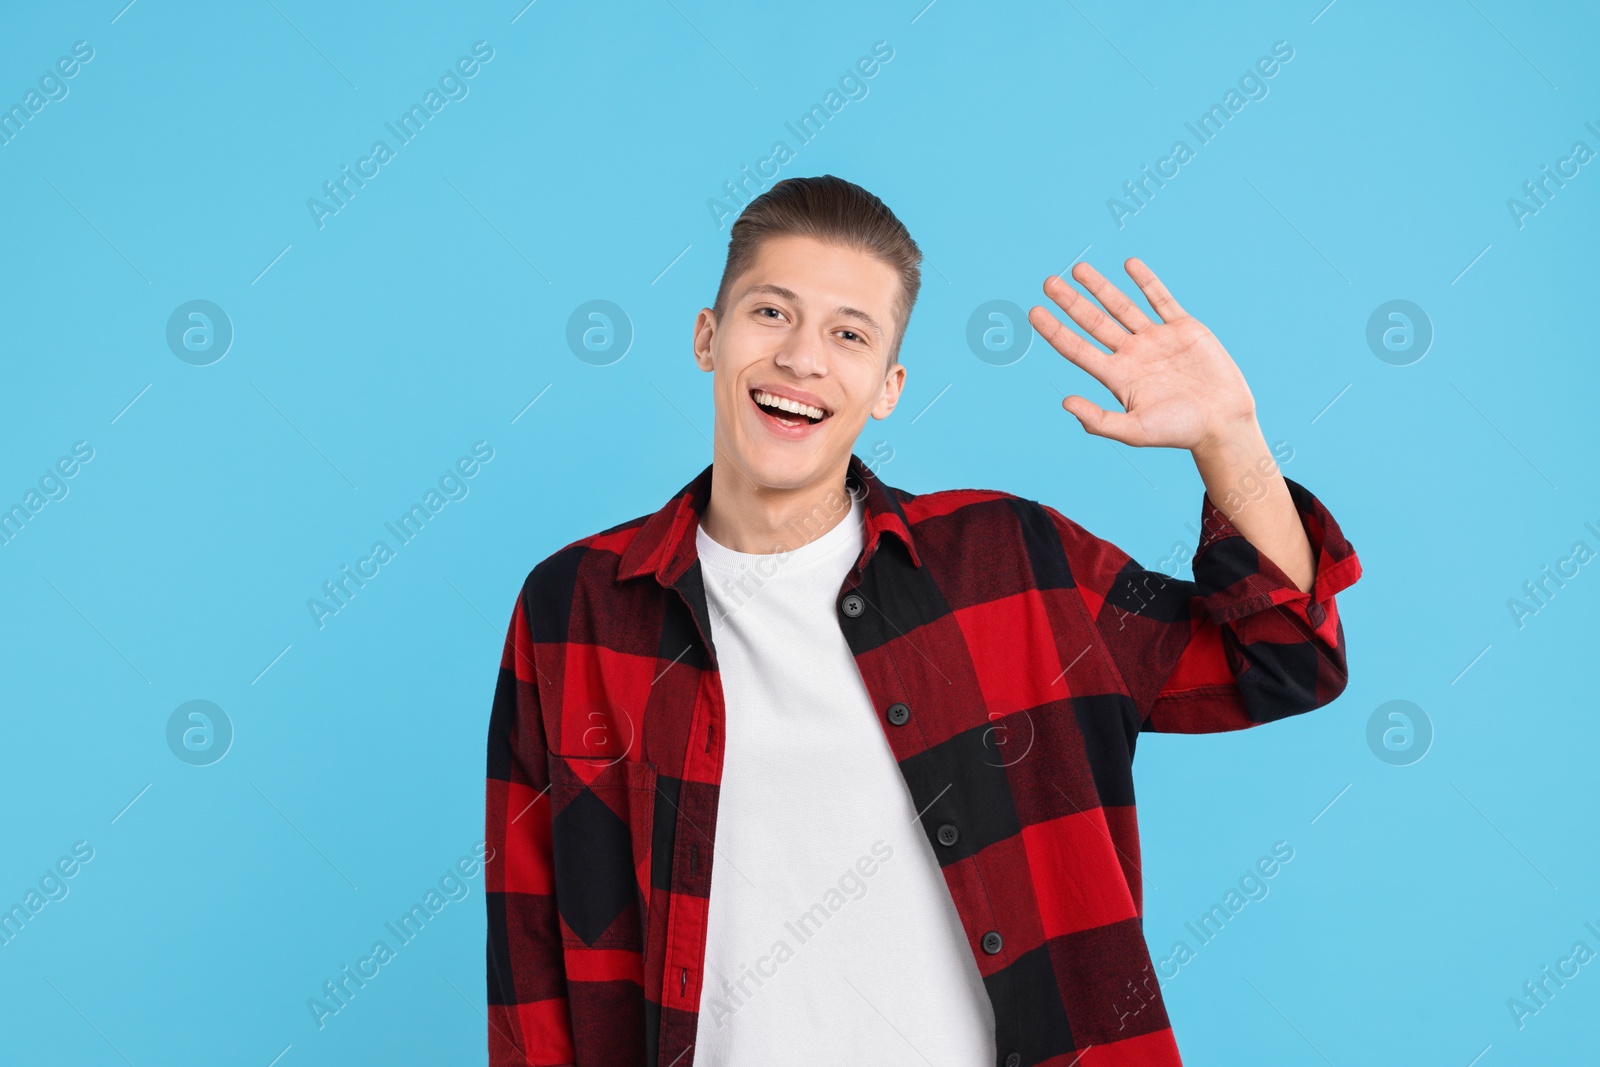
1236, 579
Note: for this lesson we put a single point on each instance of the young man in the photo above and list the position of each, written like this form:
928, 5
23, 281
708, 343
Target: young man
804, 768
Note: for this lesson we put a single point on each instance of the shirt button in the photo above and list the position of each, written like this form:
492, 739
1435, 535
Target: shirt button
948, 834
898, 714
1014, 1060
991, 942
853, 605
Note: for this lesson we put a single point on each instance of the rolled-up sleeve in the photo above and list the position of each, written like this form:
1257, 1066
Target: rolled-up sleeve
1238, 646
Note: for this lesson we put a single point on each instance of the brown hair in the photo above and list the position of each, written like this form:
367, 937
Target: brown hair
829, 209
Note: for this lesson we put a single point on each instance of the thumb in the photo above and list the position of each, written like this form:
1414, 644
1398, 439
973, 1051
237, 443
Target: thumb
1115, 425
1091, 415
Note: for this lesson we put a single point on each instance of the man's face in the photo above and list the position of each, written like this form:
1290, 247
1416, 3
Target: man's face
808, 325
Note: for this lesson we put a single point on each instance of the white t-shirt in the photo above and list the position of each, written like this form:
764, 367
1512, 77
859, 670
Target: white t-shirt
832, 936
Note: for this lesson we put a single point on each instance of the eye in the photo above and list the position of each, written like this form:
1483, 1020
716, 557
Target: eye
774, 310
851, 335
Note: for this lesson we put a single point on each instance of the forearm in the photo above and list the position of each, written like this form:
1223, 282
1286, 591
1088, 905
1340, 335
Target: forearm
1245, 484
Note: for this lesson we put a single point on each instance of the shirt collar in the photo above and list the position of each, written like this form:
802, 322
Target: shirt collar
665, 544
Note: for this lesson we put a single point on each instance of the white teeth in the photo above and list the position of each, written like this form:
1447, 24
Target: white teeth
785, 404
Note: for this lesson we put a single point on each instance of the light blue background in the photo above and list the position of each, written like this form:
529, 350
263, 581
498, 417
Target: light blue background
429, 312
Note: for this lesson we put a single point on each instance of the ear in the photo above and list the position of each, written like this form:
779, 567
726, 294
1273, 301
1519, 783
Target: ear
705, 325
893, 383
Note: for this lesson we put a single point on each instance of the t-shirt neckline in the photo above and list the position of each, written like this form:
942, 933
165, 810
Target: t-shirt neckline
846, 530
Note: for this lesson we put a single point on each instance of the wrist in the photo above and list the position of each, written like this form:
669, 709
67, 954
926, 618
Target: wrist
1236, 466
1239, 438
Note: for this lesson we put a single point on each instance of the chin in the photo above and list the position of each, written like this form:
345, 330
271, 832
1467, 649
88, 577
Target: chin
788, 467
779, 464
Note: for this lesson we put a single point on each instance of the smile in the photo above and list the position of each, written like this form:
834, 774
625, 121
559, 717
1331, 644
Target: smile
786, 411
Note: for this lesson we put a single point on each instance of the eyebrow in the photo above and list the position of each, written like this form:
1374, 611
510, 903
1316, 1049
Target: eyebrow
791, 296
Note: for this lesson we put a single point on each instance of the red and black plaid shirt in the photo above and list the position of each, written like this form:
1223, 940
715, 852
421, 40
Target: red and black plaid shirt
1013, 659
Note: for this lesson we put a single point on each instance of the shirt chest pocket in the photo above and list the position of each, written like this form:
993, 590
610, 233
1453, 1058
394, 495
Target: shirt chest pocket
603, 814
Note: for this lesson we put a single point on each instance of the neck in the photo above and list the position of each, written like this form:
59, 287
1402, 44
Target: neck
749, 518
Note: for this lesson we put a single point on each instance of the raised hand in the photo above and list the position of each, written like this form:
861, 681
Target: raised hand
1178, 386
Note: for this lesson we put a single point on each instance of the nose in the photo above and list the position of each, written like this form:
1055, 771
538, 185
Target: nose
804, 355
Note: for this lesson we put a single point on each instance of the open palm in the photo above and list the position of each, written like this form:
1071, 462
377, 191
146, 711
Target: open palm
1178, 386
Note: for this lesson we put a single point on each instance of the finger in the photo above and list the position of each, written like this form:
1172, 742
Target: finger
1111, 298
1066, 341
1095, 322
1117, 425
1154, 291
